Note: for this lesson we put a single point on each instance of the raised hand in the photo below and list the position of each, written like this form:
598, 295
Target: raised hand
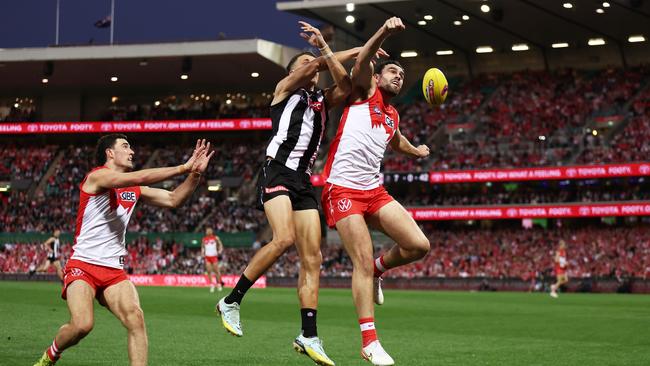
382, 53
312, 35
394, 25
198, 150
201, 162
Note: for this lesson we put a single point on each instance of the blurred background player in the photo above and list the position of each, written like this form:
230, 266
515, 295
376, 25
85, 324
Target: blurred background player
211, 247
108, 195
299, 113
53, 247
354, 197
560, 268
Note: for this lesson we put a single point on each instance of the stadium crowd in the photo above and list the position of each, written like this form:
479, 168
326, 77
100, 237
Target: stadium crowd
628, 145
501, 253
534, 117
55, 205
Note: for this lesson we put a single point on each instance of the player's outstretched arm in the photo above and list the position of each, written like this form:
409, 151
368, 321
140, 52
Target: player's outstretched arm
106, 178
343, 84
170, 199
362, 71
402, 145
302, 74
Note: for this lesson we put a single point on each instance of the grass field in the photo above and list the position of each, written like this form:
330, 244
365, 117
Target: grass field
416, 327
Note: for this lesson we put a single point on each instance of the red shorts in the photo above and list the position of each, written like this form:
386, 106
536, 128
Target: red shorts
340, 202
560, 271
210, 259
98, 277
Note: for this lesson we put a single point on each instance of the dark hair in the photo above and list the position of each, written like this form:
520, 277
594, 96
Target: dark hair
106, 142
379, 67
295, 58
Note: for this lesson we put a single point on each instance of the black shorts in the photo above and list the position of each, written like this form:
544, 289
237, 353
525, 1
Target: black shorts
275, 179
52, 258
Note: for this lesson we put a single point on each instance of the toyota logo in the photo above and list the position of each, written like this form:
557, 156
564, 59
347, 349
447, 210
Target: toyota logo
106, 126
584, 211
511, 212
644, 169
571, 172
344, 205
32, 128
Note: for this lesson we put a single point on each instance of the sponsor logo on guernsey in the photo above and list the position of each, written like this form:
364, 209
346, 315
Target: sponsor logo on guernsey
76, 272
377, 110
128, 196
275, 189
316, 106
344, 205
390, 122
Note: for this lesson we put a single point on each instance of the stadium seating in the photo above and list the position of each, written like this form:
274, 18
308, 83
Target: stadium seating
499, 253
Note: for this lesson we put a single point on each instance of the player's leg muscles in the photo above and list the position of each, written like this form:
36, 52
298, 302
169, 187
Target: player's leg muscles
395, 221
123, 301
308, 236
59, 270
357, 242
44, 266
80, 296
279, 212
209, 269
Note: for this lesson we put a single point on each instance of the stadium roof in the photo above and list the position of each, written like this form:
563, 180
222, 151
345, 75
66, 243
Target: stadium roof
221, 64
536, 23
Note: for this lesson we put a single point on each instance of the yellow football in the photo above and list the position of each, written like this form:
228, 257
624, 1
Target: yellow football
434, 86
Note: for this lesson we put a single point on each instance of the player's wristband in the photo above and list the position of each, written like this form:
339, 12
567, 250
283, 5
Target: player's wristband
182, 169
326, 52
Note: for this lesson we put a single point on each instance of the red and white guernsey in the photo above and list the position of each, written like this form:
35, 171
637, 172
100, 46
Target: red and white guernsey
210, 245
365, 130
102, 220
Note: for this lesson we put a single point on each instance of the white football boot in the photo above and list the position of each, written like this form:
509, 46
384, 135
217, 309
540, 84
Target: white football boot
313, 348
230, 317
376, 354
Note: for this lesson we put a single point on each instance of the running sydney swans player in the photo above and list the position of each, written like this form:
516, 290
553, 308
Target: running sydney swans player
108, 195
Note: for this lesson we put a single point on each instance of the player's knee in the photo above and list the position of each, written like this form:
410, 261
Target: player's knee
312, 261
283, 242
422, 247
134, 318
82, 327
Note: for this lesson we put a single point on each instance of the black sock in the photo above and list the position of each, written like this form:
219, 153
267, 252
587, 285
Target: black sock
308, 322
237, 293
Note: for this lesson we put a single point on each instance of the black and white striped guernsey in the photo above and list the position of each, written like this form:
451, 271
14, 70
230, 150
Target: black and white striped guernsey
55, 246
298, 125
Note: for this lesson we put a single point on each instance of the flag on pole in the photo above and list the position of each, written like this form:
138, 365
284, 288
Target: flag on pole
103, 23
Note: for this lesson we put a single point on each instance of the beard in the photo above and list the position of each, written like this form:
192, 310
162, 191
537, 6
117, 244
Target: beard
390, 89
